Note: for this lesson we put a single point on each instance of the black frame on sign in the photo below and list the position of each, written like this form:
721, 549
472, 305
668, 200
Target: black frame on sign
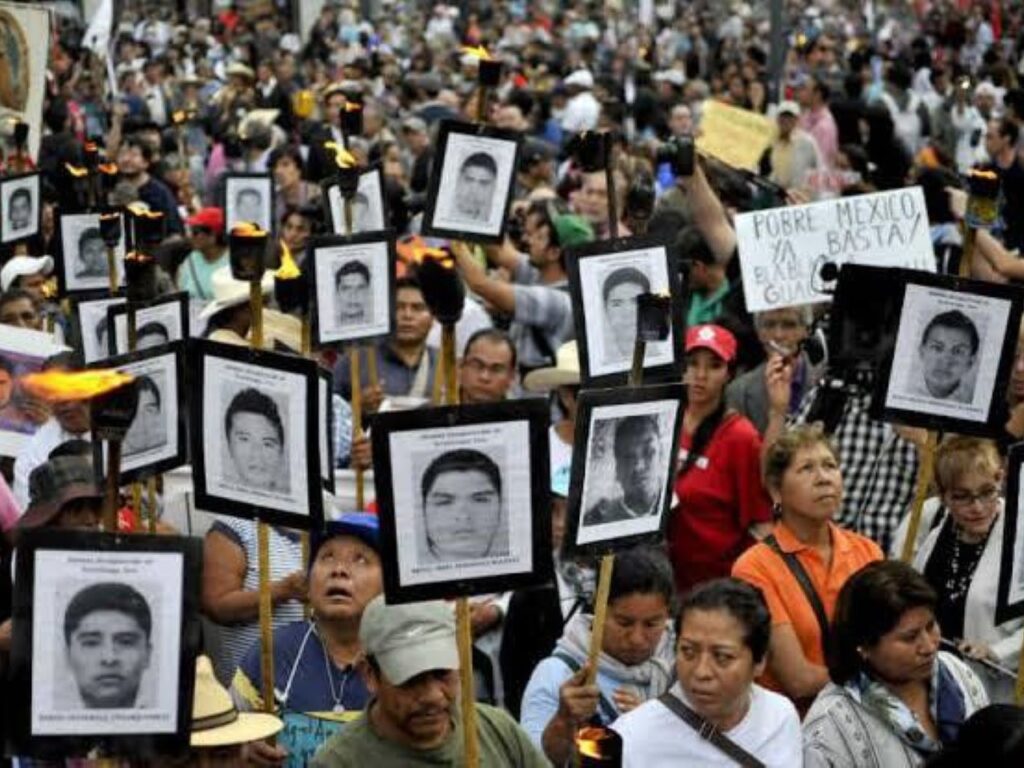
62, 267
180, 457
447, 129
317, 244
589, 401
864, 316
33, 541
201, 349
1013, 538
267, 179
37, 200
439, 420
326, 421
665, 372
90, 298
180, 298
332, 182
996, 415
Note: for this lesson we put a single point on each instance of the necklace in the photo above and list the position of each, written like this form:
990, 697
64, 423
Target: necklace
962, 565
336, 693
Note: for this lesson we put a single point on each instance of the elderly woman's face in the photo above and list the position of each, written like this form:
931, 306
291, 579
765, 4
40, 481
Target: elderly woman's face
714, 664
345, 576
906, 653
973, 500
812, 485
256, 449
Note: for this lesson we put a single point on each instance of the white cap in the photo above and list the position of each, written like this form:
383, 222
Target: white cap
788, 107
20, 266
580, 78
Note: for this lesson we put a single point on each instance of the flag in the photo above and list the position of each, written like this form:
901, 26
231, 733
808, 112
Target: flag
97, 36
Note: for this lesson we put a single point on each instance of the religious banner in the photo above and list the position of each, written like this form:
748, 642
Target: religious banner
24, 46
782, 250
735, 136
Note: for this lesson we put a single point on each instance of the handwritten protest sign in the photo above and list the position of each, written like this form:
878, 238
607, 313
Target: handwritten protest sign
735, 136
782, 250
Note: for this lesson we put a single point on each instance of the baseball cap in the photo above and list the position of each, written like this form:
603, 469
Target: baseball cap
408, 640
360, 525
713, 337
414, 124
209, 218
56, 482
572, 230
20, 266
581, 78
788, 108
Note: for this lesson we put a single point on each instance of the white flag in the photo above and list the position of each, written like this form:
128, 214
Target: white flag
97, 36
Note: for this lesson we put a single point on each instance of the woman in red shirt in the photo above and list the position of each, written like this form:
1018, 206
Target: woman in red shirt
723, 506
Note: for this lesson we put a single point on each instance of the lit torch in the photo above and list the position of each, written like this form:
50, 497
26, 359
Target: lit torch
488, 76
598, 747
247, 254
351, 118
347, 178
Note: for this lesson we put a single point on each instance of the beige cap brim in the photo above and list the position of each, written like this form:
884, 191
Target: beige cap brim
403, 664
546, 379
250, 726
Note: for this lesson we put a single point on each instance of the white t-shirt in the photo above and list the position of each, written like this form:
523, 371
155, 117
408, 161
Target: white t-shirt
654, 736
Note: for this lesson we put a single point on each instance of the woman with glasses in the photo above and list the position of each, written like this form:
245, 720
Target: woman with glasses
961, 556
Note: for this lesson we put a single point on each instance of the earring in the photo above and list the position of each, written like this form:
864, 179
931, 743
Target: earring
776, 510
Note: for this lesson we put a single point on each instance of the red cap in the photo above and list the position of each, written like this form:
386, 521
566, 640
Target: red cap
209, 218
713, 337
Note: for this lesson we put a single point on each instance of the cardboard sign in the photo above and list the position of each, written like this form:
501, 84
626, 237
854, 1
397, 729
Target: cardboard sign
735, 136
782, 250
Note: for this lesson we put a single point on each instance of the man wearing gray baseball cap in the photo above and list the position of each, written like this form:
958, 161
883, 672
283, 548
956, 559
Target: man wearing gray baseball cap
412, 671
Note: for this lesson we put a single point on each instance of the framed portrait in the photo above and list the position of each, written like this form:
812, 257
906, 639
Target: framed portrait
22, 351
22, 29
472, 182
157, 322
954, 348
91, 327
605, 279
78, 591
369, 211
353, 287
157, 440
82, 263
620, 490
254, 426
20, 207
325, 420
1010, 594
463, 497
249, 197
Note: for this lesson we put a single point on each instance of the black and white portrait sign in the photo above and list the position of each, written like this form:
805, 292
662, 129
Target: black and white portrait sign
83, 264
605, 285
105, 636
367, 204
249, 198
353, 283
953, 351
462, 498
1010, 593
156, 323
93, 327
471, 187
621, 484
20, 212
255, 442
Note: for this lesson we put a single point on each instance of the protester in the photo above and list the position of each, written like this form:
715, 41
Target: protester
894, 698
210, 253
562, 380
487, 368
793, 154
19, 309
28, 274
635, 662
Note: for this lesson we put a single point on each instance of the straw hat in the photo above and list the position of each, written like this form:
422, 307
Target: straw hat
228, 292
216, 722
565, 371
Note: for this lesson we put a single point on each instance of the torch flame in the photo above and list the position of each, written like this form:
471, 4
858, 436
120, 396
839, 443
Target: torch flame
342, 156
138, 256
477, 52
288, 270
50, 288
588, 742
63, 386
110, 169
247, 229
142, 211
77, 171
353, 106
91, 147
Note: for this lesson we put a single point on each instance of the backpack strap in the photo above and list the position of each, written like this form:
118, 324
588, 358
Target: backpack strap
607, 713
709, 732
793, 563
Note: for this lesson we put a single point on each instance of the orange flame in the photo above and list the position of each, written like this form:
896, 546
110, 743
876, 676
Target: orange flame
77, 171
50, 289
91, 147
64, 386
110, 169
353, 106
288, 270
138, 256
477, 52
588, 742
142, 211
247, 229
978, 173
421, 252
342, 156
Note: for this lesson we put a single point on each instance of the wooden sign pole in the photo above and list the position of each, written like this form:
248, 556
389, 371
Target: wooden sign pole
925, 471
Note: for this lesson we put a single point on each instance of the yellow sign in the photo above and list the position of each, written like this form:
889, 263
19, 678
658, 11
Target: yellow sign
735, 136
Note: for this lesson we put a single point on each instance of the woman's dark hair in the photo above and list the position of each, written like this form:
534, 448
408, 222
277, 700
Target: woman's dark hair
993, 737
460, 460
644, 571
292, 153
702, 435
253, 401
870, 605
743, 602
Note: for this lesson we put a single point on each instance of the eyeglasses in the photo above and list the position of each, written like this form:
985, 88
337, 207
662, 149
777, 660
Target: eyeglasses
479, 366
966, 499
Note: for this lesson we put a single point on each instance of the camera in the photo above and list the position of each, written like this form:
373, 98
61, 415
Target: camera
678, 152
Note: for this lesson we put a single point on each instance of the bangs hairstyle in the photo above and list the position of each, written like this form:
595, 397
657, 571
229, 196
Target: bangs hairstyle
959, 455
642, 571
741, 601
870, 605
779, 455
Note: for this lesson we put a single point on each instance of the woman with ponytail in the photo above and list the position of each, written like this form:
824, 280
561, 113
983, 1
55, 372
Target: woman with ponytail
723, 506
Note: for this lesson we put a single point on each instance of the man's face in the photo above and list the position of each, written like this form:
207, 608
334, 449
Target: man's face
33, 285
72, 415
21, 211
592, 200
946, 357
130, 160
474, 192
248, 206
782, 327
20, 313
538, 239
462, 512
421, 709
345, 576
256, 448
353, 299
787, 123
93, 255
108, 652
147, 429
636, 467
412, 316
620, 311
6, 387
681, 121
487, 372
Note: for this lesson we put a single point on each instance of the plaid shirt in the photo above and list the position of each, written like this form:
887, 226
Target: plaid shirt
879, 468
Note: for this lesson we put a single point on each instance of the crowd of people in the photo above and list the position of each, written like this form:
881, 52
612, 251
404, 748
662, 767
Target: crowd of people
778, 624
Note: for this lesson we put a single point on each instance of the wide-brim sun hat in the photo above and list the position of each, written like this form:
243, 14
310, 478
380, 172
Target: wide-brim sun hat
564, 373
216, 721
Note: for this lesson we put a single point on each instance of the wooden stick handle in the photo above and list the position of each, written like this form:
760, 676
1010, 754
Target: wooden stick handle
604, 584
924, 481
112, 492
256, 305
112, 270
151, 494
266, 618
967, 252
464, 633
636, 373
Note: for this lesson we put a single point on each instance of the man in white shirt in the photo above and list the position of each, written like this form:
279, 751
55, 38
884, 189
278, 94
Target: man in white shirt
582, 110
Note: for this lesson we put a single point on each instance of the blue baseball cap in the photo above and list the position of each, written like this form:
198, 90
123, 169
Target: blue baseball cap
362, 525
